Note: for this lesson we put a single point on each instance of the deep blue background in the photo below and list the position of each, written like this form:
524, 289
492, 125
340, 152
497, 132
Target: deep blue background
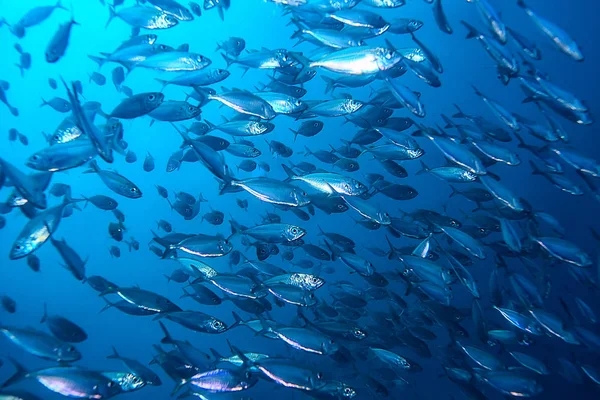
262, 25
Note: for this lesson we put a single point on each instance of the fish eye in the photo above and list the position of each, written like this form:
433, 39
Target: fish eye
319, 375
316, 124
151, 97
340, 206
191, 109
110, 384
294, 230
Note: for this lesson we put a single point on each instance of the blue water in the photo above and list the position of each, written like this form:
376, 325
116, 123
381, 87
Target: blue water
261, 24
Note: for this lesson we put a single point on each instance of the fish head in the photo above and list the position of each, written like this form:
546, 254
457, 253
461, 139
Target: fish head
201, 61
346, 392
161, 48
127, 381
191, 111
313, 282
415, 25
51, 55
67, 352
238, 43
153, 100
300, 197
283, 58
167, 20
21, 248
383, 218
387, 58
266, 127
353, 187
293, 232
358, 333
329, 346
217, 326
225, 246
39, 161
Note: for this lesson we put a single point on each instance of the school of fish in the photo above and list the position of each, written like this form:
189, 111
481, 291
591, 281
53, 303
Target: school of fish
344, 319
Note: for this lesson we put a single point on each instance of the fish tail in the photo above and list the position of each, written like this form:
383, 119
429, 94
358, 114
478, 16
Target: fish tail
163, 82
45, 316
59, 5
211, 126
44, 103
94, 168
330, 84
20, 374
112, 14
536, 169
472, 31
227, 59
521, 3
423, 169
115, 354
454, 191
288, 171
216, 354
167, 339
459, 114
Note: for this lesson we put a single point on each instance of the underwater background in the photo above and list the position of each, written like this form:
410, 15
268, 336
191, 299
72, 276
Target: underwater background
262, 25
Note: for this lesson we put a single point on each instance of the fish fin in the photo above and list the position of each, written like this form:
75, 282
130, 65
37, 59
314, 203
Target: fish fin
167, 339
424, 169
45, 316
111, 14
115, 354
228, 59
330, 84
288, 171
472, 31
536, 169
20, 374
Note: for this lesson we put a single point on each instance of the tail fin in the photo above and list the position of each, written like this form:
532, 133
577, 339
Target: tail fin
291, 174
536, 169
167, 339
44, 103
321, 232
330, 84
45, 316
237, 318
454, 191
163, 82
20, 374
392, 253
111, 15
211, 126
334, 251
216, 354
459, 114
472, 31
59, 5
115, 354
424, 168
228, 60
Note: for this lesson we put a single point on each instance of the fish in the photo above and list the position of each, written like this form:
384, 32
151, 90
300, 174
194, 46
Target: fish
116, 182
560, 38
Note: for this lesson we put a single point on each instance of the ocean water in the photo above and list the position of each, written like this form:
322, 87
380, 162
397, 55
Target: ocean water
265, 25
